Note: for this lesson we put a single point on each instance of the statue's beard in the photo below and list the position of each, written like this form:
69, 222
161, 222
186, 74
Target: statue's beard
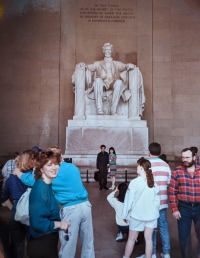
187, 164
108, 55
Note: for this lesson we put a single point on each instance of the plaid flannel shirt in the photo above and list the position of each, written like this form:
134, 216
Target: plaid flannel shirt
8, 168
184, 187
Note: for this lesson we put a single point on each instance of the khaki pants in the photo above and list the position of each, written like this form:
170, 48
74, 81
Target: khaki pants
80, 217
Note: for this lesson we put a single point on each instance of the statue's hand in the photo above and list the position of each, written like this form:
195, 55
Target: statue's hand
81, 66
130, 66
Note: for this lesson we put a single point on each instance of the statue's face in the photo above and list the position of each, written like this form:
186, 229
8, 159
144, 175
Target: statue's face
107, 51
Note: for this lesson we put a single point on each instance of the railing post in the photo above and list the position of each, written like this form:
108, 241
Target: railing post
87, 181
126, 181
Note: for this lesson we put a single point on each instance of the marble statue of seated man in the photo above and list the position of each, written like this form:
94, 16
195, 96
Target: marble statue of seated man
105, 75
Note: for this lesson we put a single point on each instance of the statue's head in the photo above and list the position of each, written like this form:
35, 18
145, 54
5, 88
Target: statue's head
107, 49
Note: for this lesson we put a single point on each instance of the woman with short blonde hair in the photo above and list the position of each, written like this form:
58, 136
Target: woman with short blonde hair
10, 195
26, 160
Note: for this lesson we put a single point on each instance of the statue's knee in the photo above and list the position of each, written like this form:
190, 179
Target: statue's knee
98, 80
98, 83
118, 84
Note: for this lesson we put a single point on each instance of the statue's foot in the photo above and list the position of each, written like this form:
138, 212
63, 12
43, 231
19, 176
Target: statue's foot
99, 112
115, 114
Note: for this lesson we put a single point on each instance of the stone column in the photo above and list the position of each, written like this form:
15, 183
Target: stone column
79, 110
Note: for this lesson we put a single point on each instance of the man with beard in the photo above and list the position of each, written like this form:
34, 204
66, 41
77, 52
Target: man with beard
184, 196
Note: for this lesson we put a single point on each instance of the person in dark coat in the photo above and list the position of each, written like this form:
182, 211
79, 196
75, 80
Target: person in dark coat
102, 165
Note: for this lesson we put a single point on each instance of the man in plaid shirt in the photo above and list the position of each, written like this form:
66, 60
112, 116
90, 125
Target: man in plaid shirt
8, 168
184, 196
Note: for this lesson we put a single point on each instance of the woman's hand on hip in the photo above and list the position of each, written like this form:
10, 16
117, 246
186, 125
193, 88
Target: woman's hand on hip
64, 225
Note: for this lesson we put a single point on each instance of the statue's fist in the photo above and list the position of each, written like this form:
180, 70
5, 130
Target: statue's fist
81, 66
130, 66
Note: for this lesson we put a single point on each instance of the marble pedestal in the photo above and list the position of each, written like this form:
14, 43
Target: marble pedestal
84, 136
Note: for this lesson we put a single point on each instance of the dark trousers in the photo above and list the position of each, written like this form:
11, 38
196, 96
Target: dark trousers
5, 239
43, 247
188, 214
18, 233
123, 229
103, 172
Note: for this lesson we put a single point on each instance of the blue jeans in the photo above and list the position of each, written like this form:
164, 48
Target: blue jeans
188, 214
164, 233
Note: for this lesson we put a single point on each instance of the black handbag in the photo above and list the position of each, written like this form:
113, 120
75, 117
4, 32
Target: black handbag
96, 175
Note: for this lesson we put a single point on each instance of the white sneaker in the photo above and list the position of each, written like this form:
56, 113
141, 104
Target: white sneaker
3, 204
153, 255
112, 187
162, 255
119, 237
143, 256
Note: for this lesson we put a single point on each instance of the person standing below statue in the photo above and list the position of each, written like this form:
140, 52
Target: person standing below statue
102, 165
113, 166
184, 197
162, 174
141, 208
108, 78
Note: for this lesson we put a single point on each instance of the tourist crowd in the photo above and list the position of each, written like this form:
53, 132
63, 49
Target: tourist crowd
60, 211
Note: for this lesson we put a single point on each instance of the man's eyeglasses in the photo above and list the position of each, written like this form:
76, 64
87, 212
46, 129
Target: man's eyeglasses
186, 157
66, 237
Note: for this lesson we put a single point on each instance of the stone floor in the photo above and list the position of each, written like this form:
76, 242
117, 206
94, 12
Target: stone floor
105, 229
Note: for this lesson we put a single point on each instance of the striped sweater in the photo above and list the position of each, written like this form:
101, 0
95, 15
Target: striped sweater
162, 174
13, 188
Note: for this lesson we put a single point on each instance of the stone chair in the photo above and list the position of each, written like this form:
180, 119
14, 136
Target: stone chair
85, 105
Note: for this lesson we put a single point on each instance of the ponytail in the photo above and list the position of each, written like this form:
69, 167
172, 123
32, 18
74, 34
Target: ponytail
147, 168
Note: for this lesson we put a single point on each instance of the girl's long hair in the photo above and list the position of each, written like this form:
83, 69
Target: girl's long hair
146, 164
111, 148
122, 192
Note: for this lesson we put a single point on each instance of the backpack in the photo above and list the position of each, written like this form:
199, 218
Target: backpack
22, 209
96, 175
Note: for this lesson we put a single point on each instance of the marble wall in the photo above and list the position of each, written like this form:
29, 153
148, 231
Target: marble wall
29, 79
176, 74
40, 45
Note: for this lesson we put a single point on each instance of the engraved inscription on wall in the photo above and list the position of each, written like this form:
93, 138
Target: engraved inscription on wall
106, 13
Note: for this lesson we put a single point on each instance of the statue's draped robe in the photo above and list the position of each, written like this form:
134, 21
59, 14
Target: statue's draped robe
133, 88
